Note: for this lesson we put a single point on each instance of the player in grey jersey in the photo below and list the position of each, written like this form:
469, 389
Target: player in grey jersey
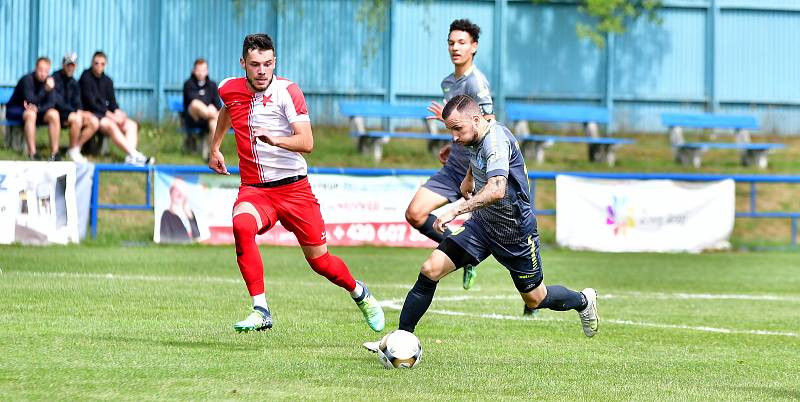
502, 224
443, 187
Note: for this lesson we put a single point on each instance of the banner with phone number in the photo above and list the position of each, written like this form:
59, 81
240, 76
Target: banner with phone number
357, 210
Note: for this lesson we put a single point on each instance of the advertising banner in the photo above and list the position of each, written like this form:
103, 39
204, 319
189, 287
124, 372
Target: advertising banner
37, 203
357, 210
643, 215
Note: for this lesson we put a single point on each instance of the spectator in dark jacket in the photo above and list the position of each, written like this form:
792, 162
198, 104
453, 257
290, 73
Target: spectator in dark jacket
201, 98
97, 96
33, 102
82, 124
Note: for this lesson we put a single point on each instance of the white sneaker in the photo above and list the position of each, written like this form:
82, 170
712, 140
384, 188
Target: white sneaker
589, 317
76, 156
138, 159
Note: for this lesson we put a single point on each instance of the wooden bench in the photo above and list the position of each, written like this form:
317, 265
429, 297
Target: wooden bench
371, 142
691, 153
601, 149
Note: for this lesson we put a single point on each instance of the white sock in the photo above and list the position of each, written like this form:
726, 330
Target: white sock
356, 293
260, 301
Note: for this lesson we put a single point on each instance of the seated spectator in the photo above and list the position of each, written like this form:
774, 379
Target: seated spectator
201, 98
82, 124
33, 102
97, 96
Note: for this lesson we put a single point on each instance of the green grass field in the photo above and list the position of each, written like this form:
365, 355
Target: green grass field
155, 323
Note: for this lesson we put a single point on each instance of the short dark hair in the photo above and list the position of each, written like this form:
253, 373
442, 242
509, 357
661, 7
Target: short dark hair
43, 59
460, 103
200, 60
467, 26
259, 41
99, 53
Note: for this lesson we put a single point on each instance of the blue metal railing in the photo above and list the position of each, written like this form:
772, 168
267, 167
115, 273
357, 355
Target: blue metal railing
752, 211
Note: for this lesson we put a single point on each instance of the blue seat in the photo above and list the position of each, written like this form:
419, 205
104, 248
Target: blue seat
371, 142
691, 153
601, 149
12, 141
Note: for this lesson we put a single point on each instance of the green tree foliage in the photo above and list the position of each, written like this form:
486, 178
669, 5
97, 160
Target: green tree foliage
612, 16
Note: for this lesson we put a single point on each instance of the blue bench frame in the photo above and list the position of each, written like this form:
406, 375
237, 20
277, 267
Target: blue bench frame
691, 153
17, 142
600, 149
190, 142
371, 142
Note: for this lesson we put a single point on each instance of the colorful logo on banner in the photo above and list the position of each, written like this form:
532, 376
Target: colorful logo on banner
619, 221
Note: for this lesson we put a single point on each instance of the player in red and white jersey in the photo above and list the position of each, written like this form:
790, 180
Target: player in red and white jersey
272, 128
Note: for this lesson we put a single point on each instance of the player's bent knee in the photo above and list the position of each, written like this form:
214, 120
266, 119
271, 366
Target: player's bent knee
245, 226
415, 217
246, 208
432, 270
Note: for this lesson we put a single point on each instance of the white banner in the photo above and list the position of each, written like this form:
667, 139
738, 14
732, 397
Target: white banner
357, 210
37, 203
643, 215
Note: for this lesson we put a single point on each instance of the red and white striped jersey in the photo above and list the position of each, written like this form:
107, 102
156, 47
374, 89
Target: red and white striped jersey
270, 112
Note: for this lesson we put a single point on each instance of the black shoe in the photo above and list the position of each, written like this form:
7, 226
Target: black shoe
54, 158
35, 157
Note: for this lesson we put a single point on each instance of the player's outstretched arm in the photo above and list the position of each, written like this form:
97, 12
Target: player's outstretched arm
493, 191
301, 140
215, 159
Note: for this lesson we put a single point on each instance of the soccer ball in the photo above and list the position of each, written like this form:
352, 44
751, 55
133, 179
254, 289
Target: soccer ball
400, 349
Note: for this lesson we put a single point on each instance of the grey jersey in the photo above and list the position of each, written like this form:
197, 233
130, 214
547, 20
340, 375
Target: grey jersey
474, 84
510, 220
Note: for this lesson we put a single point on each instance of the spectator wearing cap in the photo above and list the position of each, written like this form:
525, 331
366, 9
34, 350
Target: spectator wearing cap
97, 96
201, 98
82, 124
33, 102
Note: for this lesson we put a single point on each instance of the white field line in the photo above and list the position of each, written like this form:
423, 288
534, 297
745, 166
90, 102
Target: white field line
397, 304
217, 279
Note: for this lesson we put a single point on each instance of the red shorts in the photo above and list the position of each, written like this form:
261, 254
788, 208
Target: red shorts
293, 204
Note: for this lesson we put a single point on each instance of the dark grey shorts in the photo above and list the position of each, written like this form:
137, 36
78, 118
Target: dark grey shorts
471, 244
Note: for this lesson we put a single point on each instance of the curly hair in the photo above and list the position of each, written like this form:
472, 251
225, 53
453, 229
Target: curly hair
467, 26
259, 41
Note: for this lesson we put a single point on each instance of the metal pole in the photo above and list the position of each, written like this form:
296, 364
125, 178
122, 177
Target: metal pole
609, 98
752, 196
499, 44
94, 204
712, 16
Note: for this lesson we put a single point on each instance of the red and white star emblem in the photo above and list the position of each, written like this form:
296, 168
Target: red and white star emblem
266, 99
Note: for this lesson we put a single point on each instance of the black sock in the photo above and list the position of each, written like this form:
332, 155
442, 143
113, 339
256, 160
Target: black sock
560, 298
428, 230
417, 302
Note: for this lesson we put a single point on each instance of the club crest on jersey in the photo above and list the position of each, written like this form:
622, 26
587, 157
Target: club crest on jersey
266, 99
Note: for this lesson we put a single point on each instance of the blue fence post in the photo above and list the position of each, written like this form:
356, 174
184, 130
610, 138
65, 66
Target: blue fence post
499, 45
95, 198
609, 98
794, 231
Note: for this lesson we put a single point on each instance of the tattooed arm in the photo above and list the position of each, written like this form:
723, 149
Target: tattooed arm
493, 191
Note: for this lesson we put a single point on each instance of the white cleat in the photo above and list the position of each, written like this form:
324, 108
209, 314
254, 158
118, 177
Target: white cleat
589, 317
372, 346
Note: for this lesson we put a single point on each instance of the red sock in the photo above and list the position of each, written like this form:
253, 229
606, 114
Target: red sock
333, 268
247, 255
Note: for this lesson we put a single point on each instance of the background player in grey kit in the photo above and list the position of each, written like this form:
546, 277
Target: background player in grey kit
443, 187
502, 224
